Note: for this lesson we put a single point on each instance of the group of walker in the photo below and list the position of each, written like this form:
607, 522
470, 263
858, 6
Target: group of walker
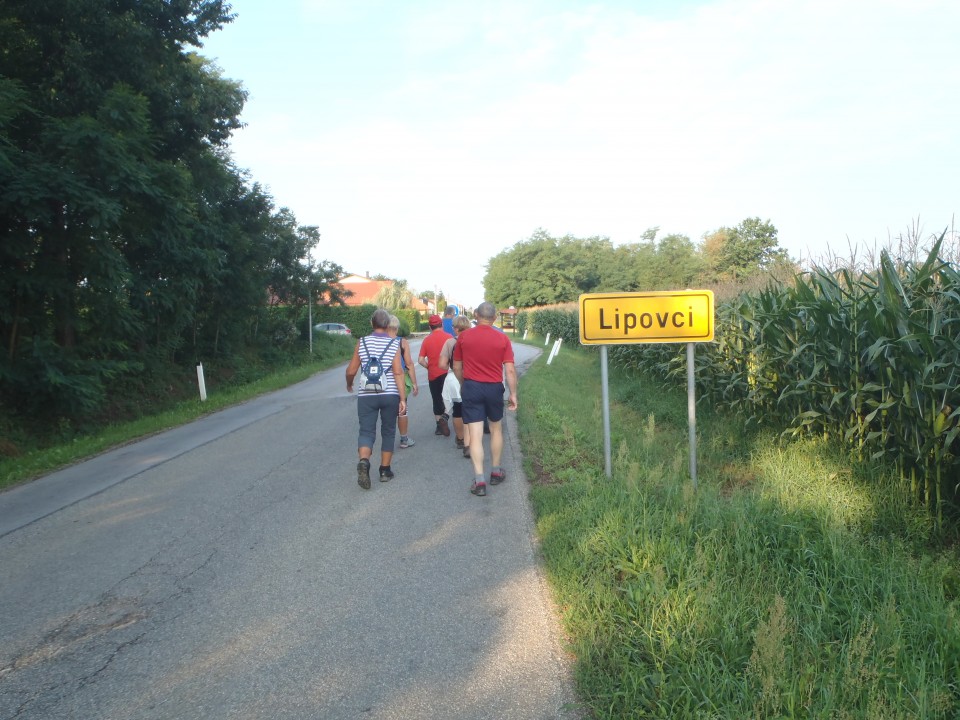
466, 369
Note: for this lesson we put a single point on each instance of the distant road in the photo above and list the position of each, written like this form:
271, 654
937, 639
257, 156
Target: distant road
232, 568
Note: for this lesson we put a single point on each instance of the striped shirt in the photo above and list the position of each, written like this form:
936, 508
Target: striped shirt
375, 344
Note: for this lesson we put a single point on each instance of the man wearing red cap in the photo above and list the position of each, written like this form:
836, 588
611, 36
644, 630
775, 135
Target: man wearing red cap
431, 357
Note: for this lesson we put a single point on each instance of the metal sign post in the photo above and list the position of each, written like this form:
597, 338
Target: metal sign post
605, 393
692, 415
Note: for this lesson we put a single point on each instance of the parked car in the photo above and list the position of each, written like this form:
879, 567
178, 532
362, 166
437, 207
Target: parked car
332, 328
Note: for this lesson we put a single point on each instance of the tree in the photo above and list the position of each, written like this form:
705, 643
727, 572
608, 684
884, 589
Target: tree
545, 270
676, 263
631, 267
711, 252
744, 250
396, 296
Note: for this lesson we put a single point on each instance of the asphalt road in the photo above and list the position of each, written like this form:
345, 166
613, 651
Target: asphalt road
233, 568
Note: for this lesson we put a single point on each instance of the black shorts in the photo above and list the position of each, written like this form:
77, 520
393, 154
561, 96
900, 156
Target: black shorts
481, 401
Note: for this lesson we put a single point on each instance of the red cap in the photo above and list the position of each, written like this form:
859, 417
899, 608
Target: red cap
435, 321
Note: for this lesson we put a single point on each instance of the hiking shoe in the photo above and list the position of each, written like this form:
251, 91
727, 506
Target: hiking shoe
408, 443
479, 489
497, 477
443, 426
386, 474
466, 452
438, 431
363, 474
459, 443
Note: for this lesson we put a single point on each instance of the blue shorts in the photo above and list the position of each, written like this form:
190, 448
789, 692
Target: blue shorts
481, 401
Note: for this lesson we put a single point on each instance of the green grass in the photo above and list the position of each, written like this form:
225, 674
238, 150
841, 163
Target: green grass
44, 455
789, 585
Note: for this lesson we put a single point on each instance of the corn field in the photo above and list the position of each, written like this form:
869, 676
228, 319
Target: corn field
869, 358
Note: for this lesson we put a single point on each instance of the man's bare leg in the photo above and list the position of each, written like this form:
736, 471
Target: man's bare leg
496, 442
476, 446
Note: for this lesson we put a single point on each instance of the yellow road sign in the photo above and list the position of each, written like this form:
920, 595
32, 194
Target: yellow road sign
646, 317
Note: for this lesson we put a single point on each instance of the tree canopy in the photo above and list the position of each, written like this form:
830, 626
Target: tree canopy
129, 237
544, 270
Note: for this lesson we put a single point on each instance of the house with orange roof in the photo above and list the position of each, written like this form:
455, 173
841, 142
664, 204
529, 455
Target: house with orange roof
364, 289
425, 306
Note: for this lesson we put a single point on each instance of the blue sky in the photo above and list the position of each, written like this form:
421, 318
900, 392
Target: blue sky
424, 137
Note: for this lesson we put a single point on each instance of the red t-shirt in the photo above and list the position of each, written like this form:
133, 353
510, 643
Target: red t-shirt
431, 346
483, 351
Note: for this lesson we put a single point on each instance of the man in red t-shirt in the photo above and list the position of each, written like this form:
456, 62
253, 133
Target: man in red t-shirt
431, 356
481, 358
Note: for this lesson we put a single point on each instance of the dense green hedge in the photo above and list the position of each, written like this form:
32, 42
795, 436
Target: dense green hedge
556, 323
357, 318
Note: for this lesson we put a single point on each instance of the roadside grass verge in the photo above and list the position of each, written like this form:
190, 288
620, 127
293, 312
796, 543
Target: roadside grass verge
786, 586
40, 456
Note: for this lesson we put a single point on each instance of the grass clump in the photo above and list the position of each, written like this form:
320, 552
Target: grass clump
789, 585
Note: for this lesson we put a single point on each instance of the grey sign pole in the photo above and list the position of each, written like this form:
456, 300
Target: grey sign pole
692, 415
604, 382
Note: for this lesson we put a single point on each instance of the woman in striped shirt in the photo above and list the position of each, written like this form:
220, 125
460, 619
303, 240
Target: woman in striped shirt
385, 402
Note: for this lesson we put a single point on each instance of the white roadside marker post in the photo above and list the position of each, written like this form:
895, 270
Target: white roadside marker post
201, 383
